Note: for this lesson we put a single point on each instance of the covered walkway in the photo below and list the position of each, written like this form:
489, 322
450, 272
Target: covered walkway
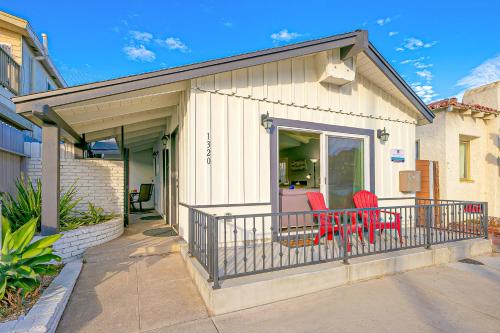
135, 283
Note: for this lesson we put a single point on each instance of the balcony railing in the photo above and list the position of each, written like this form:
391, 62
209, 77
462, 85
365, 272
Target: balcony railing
237, 245
9, 72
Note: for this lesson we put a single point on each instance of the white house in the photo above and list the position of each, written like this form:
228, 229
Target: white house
228, 134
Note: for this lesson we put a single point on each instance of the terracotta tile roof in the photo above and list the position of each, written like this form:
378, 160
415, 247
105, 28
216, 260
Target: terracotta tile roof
444, 103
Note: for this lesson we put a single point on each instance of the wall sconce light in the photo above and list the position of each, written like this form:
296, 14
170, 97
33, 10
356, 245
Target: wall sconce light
383, 135
164, 140
266, 122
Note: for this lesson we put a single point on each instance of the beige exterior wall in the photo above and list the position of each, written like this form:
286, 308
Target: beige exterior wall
14, 40
488, 95
439, 141
225, 109
10, 169
33, 78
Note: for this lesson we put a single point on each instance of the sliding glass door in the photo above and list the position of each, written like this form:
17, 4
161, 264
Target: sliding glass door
345, 171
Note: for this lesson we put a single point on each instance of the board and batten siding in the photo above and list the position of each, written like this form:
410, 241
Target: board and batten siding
224, 110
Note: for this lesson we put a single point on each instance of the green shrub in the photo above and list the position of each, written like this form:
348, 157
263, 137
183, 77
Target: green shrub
96, 215
22, 264
27, 204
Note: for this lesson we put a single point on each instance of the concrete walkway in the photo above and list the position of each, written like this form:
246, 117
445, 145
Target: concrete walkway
459, 297
135, 283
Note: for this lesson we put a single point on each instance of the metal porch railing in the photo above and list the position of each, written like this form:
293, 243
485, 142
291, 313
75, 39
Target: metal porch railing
237, 245
9, 72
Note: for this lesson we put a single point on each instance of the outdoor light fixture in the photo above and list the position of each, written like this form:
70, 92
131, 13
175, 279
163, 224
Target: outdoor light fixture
165, 139
266, 122
383, 135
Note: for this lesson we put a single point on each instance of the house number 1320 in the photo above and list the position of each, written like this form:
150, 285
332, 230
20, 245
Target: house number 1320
209, 149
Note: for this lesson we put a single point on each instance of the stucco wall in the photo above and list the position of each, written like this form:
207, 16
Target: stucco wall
440, 142
98, 181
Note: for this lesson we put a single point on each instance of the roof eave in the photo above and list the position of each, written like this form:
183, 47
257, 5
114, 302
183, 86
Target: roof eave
359, 38
399, 82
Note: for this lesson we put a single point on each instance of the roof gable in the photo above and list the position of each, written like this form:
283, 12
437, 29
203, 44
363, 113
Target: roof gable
350, 43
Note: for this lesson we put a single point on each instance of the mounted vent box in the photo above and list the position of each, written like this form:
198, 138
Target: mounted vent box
409, 181
332, 69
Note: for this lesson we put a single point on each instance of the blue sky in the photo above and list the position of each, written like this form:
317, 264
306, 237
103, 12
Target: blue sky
440, 47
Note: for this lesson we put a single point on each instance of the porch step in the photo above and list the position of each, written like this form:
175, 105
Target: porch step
249, 291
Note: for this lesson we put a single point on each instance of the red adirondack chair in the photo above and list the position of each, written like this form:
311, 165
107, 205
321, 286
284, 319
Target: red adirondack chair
473, 208
371, 218
326, 227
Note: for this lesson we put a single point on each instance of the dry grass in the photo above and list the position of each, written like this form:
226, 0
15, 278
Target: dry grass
13, 305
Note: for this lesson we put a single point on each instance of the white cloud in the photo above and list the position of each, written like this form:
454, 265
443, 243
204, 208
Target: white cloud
141, 36
284, 36
176, 44
393, 33
139, 53
413, 43
173, 43
417, 63
425, 74
421, 65
399, 49
227, 24
383, 21
425, 92
487, 72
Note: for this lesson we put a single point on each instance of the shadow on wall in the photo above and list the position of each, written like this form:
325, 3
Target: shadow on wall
491, 158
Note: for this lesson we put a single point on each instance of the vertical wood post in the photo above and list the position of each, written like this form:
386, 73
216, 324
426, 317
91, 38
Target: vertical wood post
51, 136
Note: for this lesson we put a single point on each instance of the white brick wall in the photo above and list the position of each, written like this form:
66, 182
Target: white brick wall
98, 181
73, 243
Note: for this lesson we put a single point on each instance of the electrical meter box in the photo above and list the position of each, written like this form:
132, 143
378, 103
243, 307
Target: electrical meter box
409, 181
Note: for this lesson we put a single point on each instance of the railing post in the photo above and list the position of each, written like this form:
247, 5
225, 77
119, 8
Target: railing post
191, 231
215, 251
428, 216
485, 217
345, 234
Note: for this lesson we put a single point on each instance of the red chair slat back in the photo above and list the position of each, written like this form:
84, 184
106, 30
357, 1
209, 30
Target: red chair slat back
317, 202
365, 199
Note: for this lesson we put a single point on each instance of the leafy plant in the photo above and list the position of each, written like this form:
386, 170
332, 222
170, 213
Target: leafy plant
22, 264
27, 204
96, 215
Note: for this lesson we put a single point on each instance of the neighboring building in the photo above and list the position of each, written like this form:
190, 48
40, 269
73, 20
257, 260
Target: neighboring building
25, 68
465, 140
202, 127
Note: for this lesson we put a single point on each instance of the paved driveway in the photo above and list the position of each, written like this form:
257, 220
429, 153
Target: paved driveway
136, 284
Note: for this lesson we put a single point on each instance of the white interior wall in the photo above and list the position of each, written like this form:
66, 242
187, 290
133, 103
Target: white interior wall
141, 172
